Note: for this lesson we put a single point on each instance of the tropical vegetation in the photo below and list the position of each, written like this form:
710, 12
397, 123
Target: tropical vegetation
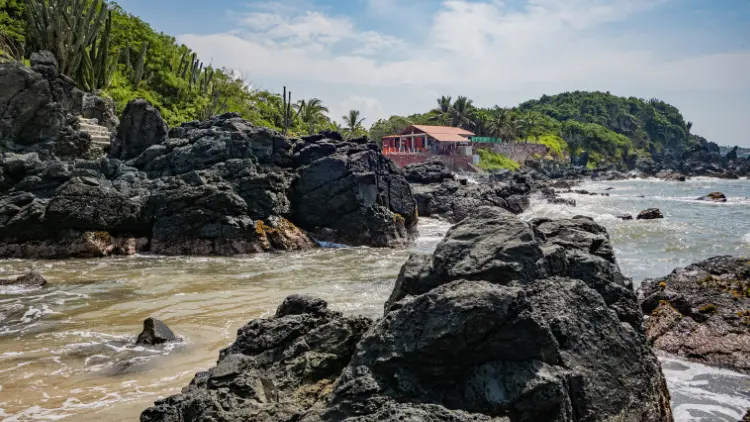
107, 50
605, 126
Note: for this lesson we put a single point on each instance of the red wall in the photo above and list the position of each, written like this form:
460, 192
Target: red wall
454, 162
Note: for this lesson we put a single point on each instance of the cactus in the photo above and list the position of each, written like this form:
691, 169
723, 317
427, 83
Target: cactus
67, 28
286, 111
137, 75
97, 67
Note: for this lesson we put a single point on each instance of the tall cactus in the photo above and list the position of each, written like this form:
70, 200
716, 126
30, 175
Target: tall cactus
137, 75
97, 67
286, 111
67, 28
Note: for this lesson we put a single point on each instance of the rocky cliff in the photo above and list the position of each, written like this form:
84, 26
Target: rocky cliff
506, 321
221, 186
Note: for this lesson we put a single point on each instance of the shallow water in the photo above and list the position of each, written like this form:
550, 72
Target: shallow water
66, 352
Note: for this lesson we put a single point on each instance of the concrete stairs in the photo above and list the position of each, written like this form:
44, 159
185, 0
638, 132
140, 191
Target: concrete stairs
100, 135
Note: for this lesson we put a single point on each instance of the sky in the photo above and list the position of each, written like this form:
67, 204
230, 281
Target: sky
396, 57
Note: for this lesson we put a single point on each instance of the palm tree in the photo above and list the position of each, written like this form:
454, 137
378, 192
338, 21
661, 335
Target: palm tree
311, 112
527, 126
443, 110
460, 113
353, 122
502, 124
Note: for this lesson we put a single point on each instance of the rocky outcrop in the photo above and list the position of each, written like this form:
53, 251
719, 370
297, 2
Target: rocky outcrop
276, 369
714, 197
39, 110
702, 312
506, 321
650, 214
217, 187
155, 332
141, 127
454, 200
701, 159
433, 170
32, 279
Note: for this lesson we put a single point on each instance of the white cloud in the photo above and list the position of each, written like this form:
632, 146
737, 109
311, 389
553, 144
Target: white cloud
487, 50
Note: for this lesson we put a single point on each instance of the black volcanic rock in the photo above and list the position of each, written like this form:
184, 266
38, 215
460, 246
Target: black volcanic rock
155, 332
217, 187
32, 279
702, 312
506, 321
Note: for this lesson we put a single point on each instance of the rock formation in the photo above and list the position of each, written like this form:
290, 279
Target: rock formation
39, 110
439, 195
155, 332
714, 197
702, 312
217, 187
506, 321
650, 214
32, 279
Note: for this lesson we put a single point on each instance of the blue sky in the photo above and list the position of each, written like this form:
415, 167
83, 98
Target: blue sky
387, 57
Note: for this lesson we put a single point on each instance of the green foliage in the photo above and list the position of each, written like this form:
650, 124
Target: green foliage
602, 144
489, 161
558, 148
68, 29
12, 28
645, 123
353, 124
394, 125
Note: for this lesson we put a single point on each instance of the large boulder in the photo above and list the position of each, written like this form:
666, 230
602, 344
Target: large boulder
276, 369
432, 170
650, 214
506, 321
155, 332
140, 128
702, 312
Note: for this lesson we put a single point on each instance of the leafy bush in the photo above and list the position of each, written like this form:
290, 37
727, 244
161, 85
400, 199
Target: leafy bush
489, 161
558, 148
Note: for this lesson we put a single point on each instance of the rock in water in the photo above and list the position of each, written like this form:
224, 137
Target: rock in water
155, 332
625, 217
31, 280
713, 196
506, 321
650, 214
276, 369
702, 312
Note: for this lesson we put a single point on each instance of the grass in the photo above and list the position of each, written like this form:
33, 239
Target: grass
489, 161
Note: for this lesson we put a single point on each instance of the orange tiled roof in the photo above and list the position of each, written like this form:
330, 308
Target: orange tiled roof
441, 133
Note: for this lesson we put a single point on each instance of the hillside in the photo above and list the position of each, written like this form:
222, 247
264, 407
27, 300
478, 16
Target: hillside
607, 127
127, 59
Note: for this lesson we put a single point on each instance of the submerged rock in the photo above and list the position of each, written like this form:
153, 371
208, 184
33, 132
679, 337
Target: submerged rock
30, 280
506, 321
702, 312
713, 196
155, 332
625, 217
650, 214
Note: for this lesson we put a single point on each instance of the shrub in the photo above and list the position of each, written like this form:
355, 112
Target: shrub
489, 161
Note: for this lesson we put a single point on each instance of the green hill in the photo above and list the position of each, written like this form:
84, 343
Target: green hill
127, 59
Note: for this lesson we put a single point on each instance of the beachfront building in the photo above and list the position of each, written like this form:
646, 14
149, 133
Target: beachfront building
417, 143
432, 140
